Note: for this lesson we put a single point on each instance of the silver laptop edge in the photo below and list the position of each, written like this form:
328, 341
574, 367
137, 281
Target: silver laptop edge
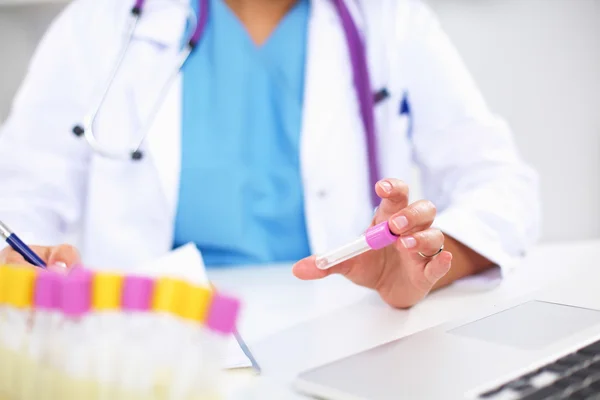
517, 352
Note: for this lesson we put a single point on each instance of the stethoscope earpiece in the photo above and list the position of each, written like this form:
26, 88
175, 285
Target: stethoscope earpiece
78, 130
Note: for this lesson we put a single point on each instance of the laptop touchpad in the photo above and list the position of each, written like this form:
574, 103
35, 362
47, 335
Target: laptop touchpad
531, 325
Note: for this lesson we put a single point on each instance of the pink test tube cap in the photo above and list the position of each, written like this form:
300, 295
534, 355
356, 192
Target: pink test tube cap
75, 292
137, 293
76, 268
380, 236
223, 314
46, 295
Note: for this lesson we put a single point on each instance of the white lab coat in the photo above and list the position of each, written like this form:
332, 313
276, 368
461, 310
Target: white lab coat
52, 186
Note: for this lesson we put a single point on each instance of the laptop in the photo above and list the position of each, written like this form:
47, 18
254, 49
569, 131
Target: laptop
542, 346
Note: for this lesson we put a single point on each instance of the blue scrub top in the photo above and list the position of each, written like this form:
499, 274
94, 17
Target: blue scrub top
241, 195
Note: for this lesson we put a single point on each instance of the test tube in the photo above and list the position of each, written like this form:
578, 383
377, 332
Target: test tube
167, 301
73, 381
108, 325
191, 355
135, 378
221, 321
4, 284
375, 238
44, 331
19, 296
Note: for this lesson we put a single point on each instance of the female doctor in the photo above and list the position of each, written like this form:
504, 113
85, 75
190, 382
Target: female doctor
288, 124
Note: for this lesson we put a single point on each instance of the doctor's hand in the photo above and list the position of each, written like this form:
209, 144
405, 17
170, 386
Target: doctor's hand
400, 275
58, 258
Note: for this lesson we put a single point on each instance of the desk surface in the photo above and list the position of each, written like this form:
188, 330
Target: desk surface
293, 325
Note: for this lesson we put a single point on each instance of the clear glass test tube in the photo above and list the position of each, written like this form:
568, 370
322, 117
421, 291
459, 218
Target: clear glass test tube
74, 362
44, 334
219, 328
187, 370
375, 238
19, 297
135, 380
168, 296
107, 322
4, 306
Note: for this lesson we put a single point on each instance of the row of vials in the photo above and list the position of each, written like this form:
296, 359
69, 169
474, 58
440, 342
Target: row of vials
98, 335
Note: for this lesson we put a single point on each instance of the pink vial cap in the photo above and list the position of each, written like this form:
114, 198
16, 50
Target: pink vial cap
380, 236
76, 268
223, 314
75, 292
137, 293
46, 295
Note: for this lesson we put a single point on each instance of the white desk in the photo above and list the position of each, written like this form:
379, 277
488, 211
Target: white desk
293, 325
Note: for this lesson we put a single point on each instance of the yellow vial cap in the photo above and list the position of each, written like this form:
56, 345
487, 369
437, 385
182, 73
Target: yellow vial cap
106, 291
196, 303
4, 271
169, 295
19, 287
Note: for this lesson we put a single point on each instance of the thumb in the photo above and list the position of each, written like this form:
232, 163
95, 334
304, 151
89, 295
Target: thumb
64, 255
306, 269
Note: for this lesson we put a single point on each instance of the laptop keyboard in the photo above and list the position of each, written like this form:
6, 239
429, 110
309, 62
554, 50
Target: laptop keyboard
575, 376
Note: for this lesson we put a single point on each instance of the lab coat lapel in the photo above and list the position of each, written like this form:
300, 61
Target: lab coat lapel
159, 35
164, 146
333, 151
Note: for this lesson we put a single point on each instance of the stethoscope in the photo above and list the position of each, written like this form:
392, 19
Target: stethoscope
359, 71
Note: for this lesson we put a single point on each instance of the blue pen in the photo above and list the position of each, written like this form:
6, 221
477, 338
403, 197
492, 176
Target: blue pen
20, 247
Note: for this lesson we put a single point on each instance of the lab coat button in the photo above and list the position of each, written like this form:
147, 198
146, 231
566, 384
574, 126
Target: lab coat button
321, 194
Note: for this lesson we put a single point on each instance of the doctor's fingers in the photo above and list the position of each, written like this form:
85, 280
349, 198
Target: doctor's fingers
434, 270
58, 258
11, 257
427, 242
414, 218
394, 197
64, 255
426, 246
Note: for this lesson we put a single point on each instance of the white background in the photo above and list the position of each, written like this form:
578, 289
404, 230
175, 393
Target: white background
536, 61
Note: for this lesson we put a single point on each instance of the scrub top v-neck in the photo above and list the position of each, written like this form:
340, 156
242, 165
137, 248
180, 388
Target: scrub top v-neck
241, 196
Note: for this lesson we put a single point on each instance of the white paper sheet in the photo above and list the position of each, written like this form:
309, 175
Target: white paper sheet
186, 263
183, 263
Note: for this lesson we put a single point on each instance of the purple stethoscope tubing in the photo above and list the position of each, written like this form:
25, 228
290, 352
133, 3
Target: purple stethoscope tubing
359, 71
